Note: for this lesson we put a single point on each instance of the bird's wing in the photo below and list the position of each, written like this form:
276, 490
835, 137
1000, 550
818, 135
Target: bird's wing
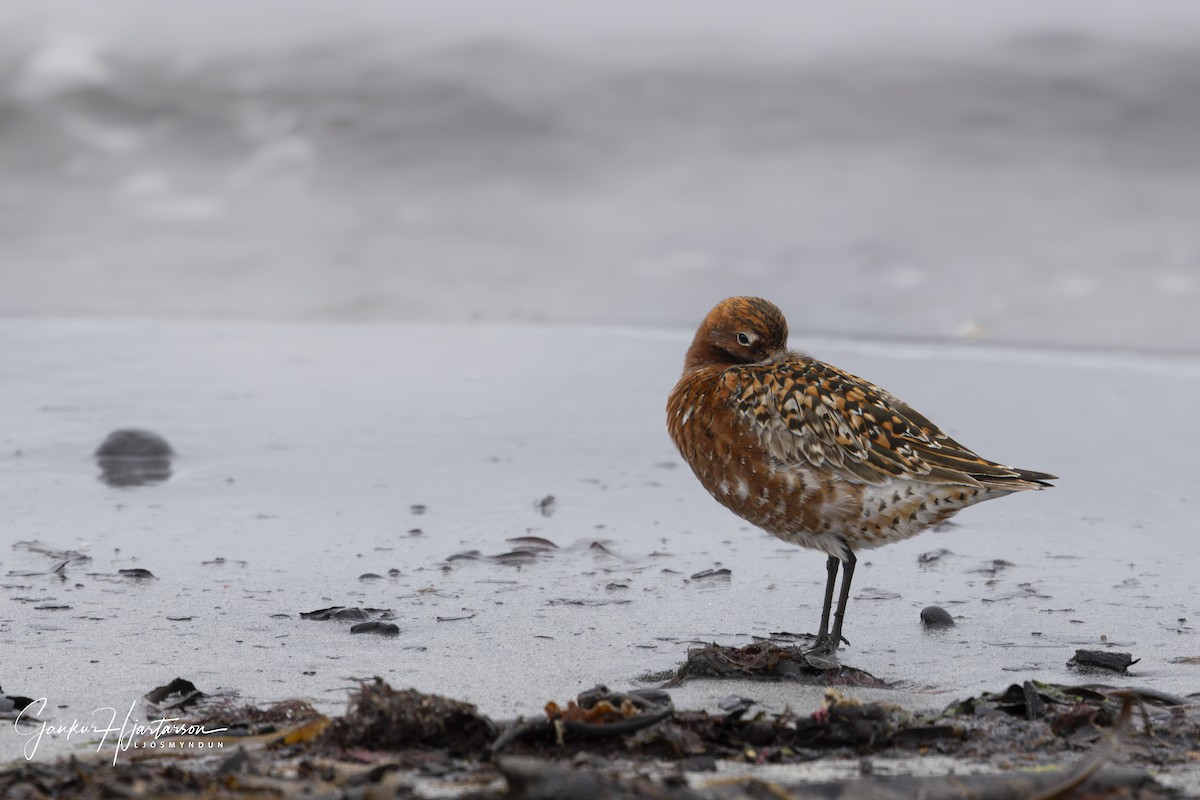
808, 413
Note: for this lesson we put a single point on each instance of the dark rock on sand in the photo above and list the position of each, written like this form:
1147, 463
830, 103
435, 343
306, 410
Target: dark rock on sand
132, 457
936, 617
1102, 660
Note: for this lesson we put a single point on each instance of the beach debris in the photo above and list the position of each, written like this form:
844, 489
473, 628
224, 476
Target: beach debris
137, 573
382, 718
873, 593
1102, 660
766, 661
377, 627
134, 457
546, 505
623, 744
221, 561
933, 556
517, 557
993, 567
347, 613
532, 543
721, 573
11, 706
598, 549
598, 713
936, 617
525, 550
178, 695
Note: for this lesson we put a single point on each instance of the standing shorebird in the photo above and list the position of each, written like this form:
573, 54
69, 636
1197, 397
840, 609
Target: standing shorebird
814, 455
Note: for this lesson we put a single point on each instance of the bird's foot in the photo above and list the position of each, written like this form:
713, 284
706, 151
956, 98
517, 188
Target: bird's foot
822, 659
823, 654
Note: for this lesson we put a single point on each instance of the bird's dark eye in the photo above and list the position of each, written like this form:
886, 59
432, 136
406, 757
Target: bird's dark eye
743, 339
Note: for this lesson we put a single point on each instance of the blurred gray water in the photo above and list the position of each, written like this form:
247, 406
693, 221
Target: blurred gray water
1027, 183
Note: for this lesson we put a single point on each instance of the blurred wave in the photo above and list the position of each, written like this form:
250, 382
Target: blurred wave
1041, 191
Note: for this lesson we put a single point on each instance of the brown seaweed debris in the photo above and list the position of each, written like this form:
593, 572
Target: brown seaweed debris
390, 741
645, 724
594, 715
766, 661
382, 718
224, 713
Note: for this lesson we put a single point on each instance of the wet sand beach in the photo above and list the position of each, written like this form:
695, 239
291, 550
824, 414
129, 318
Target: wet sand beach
329, 465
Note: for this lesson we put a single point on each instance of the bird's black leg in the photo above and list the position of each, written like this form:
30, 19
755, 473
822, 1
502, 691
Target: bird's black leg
835, 638
832, 567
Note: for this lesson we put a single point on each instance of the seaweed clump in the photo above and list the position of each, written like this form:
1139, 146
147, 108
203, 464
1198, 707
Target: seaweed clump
382, 718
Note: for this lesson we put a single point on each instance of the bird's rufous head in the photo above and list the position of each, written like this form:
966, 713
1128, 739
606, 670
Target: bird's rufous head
739, 330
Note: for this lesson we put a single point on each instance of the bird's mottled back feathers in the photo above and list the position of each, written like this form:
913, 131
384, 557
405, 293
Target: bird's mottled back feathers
808, 413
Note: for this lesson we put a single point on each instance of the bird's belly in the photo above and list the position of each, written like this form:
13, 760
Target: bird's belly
803, 504
815, 510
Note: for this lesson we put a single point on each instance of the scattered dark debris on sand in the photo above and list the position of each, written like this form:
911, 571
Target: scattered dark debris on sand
366, 620
1071, 742
525, 550
351, 613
